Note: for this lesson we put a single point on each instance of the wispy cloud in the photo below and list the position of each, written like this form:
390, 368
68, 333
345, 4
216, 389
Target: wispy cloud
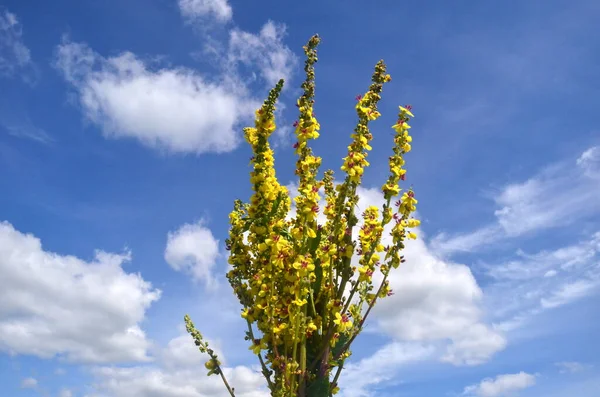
535, 205
570, 367
541, 281
589, 161
15, 57
65, 393
26, 130
264, 51
29, 383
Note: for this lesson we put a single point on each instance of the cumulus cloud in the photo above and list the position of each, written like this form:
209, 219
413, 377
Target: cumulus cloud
55, 305
179, 373
437, 300
502, 385
177, 109
14, 54
536, 204
193, 249
194, 9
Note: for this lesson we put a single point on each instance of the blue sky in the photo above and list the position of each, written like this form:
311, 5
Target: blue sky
121, 153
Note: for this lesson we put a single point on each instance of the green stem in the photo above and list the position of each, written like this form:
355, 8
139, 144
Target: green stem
360, 325
229, 388
262, 362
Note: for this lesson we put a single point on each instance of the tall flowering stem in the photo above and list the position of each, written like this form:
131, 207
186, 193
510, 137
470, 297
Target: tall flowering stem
304, 299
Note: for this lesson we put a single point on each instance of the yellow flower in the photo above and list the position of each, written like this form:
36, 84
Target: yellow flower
400, 127
343, 322
274, 255
413, 222
258, 345
406, 111
245, 313
391, 189
300, 302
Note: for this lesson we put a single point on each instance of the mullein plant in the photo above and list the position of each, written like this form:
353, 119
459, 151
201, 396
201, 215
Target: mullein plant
304, 299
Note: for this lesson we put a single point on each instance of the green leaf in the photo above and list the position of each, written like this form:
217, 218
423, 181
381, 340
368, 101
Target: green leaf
314, 242
285, 234
275, 205
339, 345
247, 224
318, 278
318, 388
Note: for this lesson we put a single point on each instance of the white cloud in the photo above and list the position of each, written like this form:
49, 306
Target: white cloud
536, 204
174, 109
194, 9
589, 161
14, 55
189, 382
178, 109
502, 385
541, 281
52, 304
27, 130
570, 367
382, 366
65, 393
182, 352
264, 50
443, 243
29, 383
436, 300
568, 293
193, 249
180, 373
564, 259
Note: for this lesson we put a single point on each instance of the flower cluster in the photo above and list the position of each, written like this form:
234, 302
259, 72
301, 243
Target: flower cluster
303, 301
